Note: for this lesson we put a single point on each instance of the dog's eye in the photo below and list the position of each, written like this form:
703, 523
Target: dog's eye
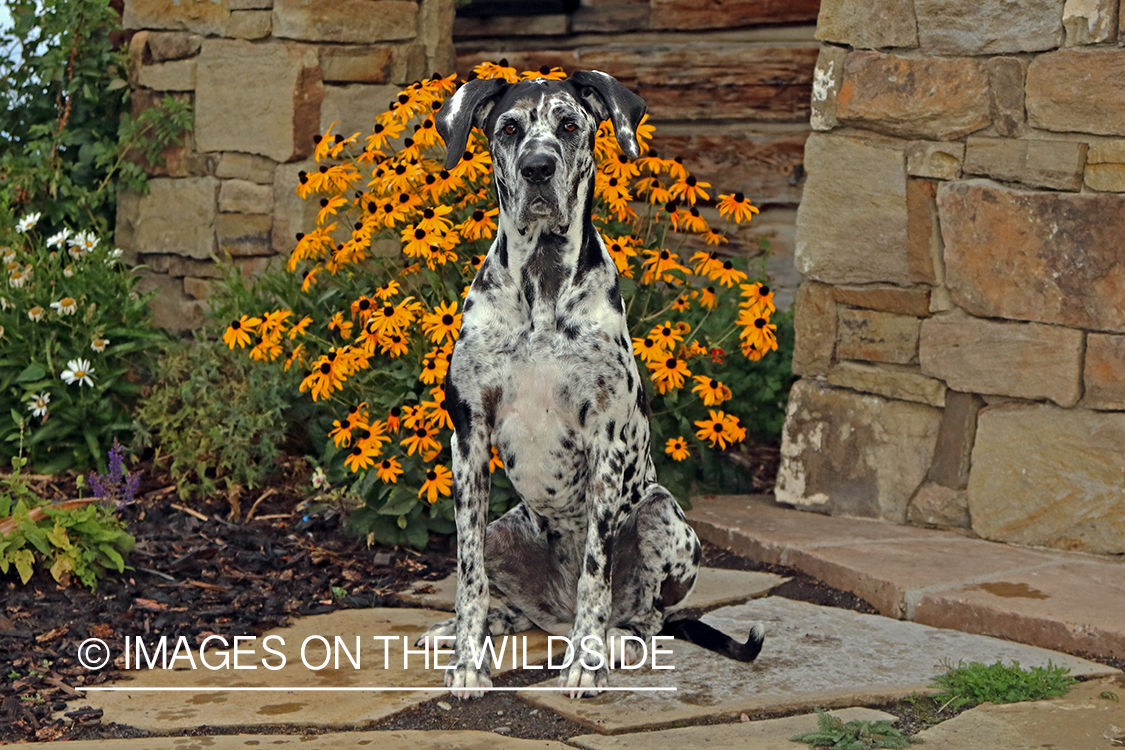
570, 127
510, 128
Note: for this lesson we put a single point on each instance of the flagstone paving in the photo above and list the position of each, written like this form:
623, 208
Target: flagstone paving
813, 657
771, 734
713, 588
1049, 598
1081, 720
407, 740
211, 705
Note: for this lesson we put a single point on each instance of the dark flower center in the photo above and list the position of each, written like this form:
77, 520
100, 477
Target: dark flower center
447, 320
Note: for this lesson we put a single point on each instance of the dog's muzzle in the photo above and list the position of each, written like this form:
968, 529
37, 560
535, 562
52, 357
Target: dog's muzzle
537, 170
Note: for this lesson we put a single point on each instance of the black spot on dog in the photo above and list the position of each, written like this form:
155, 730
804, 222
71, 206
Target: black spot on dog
582, 412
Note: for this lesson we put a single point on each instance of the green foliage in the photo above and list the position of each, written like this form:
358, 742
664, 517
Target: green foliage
854, 735
64, 303
214, 415
971, 684
68, 142
84, 542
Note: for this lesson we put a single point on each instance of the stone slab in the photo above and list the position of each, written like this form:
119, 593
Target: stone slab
770, 734
1006, 76
1108, 178
714, 587
401, 740
814, 324
1078, 607
937, 160
353, 108
362, 21
969, 27
177, 75
1090, 21
1104, 372
177, 216
813, 657
940, 506
211, 705
996, 239
1080, 720
1075, 89
199, 16
1039, 163
893, 381
875, 336
867, 23
893, 299
827, 77
1050, 477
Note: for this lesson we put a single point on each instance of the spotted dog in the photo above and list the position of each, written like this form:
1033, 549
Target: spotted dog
543, 370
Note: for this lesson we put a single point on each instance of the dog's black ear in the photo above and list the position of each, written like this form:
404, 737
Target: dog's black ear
468, 106
609, 100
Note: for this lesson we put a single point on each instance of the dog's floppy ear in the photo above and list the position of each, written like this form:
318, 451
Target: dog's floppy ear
467, 107
609, 100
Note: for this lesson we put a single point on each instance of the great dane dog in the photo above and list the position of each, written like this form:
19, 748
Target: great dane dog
544, 371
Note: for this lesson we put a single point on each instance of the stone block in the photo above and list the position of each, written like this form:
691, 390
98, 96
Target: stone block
554, 24
240, 235
249, 24
236, 166
939, 506
874, 336
681, 15
1023, 360
125, 222
173, 45
1077, 89
955, 440
939, 160
923, 233
892, 381
893, 299
171, 307
931, 98
271, 107
997, 240
1105, 177
435, 33
1104, 374
373, 63
178, 75
207, 17
814, 323
841, 240
968, 27
354, 107
198, 288
1090, 21
867, 24
854, 454
178, 265
1106, 151
242, 196
177, 216
251, 4
293, 214
1038, 163
827, 77
1006, 76
356, 21
1050, 477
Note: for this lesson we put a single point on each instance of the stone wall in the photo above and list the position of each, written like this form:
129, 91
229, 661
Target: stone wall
265, 77
728, 86
961, 336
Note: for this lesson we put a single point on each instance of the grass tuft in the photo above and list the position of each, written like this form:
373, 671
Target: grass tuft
833, 733
968, 685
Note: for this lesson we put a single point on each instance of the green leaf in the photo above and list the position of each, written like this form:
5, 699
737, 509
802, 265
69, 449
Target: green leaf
400, 501
31, 372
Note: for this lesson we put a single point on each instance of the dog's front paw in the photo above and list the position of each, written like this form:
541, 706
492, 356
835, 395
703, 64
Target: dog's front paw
466, 681
581, 682
444, 630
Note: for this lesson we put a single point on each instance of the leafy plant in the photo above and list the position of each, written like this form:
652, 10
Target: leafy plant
214, 416
971, 684
68, 142
368, 309
74, 538
75, 343
833, 732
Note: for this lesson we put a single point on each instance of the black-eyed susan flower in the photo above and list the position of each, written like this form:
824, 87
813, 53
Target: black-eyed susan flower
736, 207
708, 297
394, 418
667, 335
444, 322
734, 428
322, 380
669, 373
360, 458
620, 167
497, 70
388, 290
657, 193
388, 470
677, 448
266, 350
727, 274
710, 390
434, 370
479, 224
439, 480
648, 349
394, 344
759, 299
682, 303
341, 325
714, 237
715, 429
297, 356
238, 332
436, 412
383, 133
422, 438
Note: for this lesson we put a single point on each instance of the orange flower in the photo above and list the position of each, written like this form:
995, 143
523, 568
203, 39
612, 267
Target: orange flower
421, 439
715, 430
438, 480
388, 470
677, 448
495, 462
710, 390
737, 207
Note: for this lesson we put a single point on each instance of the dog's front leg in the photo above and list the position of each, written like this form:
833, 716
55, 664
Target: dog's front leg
468, 674
589, 672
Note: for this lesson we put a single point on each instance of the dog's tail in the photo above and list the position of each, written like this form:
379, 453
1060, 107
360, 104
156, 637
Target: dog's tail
712, 639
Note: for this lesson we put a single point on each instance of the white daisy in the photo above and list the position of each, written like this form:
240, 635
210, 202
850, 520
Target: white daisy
85, 240
38, 406
59, 240
68, 271
99, 345
9, 255
28, 222
17, 278
35, 313
65, 306
78, 371
4, 303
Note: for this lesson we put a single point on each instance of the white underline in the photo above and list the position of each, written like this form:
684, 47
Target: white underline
361, 689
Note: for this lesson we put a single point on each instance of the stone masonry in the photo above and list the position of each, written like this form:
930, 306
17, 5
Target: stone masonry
961, 329
265, 78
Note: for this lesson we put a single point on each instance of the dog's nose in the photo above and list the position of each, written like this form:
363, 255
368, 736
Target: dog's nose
537, 168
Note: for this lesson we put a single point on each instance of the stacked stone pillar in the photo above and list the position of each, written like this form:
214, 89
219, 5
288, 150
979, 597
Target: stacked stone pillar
265, 78
961, 333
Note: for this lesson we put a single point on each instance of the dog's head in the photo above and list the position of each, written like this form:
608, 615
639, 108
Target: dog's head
541, 137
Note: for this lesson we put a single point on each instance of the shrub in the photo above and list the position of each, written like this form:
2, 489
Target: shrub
369, 309
971, 684
74, 340
214, 417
